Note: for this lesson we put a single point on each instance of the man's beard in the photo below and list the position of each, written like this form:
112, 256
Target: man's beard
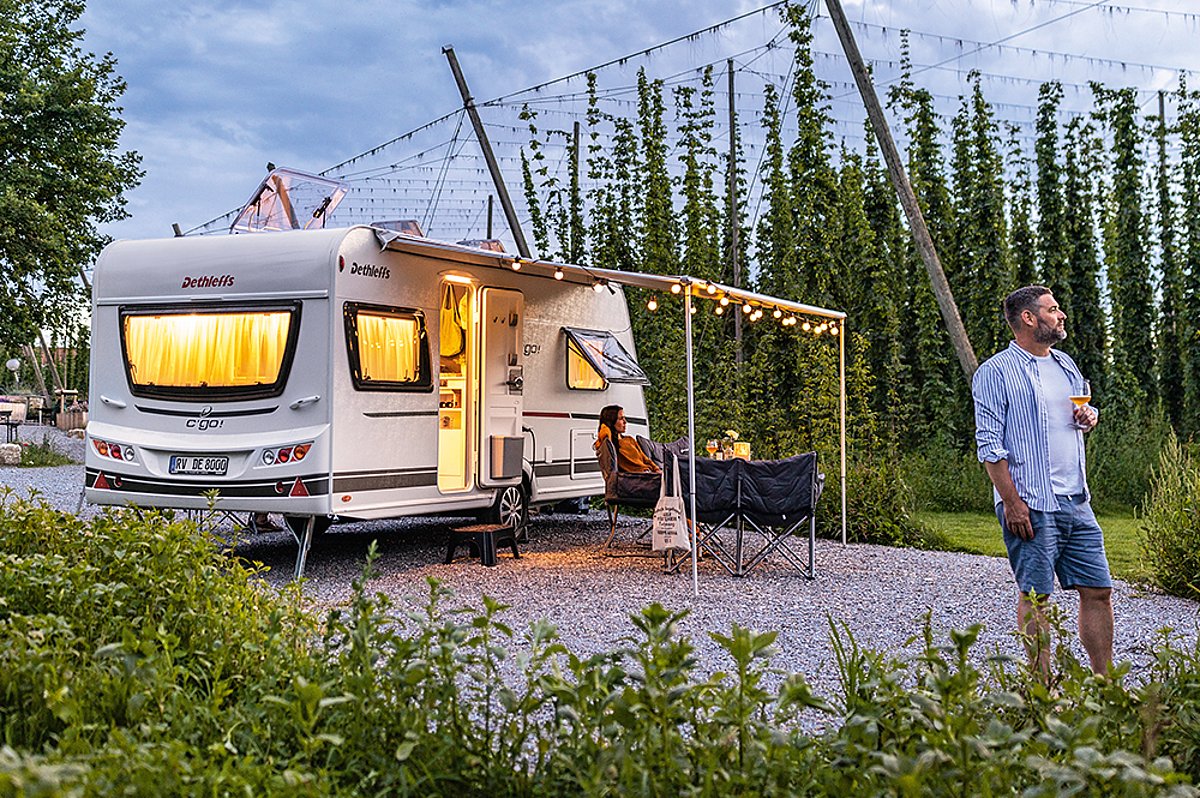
1047, 334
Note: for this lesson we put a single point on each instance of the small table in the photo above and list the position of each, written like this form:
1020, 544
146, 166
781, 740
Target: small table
484, 538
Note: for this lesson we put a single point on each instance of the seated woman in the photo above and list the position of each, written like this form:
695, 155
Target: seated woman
630, 457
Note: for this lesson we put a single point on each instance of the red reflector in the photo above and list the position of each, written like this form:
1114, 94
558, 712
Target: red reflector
298, 488
346, 498
101, 483
284, 455
115, 451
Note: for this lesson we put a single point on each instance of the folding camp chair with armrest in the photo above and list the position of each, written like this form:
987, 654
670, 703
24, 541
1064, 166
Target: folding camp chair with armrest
774, 498
631, 489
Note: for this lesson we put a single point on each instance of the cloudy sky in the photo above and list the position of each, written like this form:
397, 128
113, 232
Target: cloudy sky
217, 88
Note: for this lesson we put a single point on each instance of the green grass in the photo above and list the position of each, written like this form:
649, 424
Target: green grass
37, 455
979, 533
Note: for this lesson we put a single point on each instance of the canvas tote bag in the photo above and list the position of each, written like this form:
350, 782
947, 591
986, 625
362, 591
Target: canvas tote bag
670, 532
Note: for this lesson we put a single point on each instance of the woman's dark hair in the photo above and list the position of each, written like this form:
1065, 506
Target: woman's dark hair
608, 418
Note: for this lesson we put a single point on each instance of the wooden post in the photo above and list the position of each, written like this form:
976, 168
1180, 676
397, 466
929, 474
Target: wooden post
908, 200
510, 213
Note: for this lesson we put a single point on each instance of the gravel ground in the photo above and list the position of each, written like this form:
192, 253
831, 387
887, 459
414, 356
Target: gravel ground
879, 593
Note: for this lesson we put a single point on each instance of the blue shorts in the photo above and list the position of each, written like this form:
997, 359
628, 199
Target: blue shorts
1067, 543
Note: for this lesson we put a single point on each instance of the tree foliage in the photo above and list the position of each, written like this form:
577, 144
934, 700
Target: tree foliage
61, 169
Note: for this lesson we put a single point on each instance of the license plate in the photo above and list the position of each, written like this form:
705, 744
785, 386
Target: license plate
199, 464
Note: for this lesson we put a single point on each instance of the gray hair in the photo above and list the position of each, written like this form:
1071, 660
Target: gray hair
1021, 300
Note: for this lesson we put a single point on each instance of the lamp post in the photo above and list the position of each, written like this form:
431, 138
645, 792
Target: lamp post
13, 365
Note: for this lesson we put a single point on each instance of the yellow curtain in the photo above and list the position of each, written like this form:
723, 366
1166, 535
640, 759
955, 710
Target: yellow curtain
388, 347
580, 373
214, 350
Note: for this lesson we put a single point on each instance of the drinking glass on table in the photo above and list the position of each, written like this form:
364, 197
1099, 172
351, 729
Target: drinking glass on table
1081, 397
712, 446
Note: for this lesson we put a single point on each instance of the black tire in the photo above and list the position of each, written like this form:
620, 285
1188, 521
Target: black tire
511, 506
296, 523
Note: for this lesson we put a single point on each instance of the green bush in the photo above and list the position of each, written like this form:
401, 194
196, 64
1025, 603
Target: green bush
36, 455
1171, 523
136, 658
877, 505
1122, 452
945, 479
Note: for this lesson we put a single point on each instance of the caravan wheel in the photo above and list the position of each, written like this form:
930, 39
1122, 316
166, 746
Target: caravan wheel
296, 523
511, 506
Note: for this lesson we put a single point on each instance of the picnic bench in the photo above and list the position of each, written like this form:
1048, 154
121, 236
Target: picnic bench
12, 416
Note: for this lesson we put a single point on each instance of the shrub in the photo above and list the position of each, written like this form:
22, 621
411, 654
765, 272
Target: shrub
1171, 523
877, 508
35, 455
136, 658
945, 479
1122, 452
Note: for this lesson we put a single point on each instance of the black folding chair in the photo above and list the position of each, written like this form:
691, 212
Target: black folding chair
774, 498
624, 488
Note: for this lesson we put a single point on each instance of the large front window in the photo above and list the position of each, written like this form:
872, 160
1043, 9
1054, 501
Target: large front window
239, 352
388, 348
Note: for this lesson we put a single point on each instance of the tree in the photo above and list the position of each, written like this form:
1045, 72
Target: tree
1051, 235
61, 170
1088, 320
1170, 355
1023, 242
1189, 245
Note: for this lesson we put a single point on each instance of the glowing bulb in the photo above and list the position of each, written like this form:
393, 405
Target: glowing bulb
791, 320
712, 289
724, 301
833, 330
693, 310
746, 308
719, 311
806, 326
778, 313
676, 288
598, 286
516, 265
558, 273
652, 305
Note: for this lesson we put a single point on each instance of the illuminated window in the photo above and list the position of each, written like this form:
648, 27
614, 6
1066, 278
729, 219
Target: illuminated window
387, 347
595, 358
239, 352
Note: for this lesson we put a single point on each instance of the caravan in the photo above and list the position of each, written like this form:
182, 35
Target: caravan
356, 373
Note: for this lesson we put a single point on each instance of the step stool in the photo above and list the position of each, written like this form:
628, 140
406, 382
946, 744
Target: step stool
483, 538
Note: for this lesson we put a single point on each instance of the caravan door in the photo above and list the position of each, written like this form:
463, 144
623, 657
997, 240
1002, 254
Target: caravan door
501, 387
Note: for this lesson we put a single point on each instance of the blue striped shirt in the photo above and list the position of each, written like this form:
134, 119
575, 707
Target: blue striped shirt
1011, 422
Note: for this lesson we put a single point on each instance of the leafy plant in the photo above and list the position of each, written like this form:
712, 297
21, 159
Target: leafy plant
1171, 523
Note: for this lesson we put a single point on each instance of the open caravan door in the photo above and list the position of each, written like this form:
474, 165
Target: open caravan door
501, 383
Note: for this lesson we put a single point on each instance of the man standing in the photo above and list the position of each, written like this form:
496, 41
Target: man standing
1030, 440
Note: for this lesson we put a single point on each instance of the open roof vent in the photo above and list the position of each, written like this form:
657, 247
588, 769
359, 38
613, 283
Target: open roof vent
410, 227
288, 199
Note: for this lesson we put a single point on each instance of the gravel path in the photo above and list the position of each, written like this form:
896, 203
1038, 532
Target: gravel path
879, 593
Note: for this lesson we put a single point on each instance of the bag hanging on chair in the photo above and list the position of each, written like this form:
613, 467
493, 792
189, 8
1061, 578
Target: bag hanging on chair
670, 531
453, 339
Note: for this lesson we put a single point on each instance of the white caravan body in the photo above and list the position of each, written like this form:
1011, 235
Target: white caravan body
354, 372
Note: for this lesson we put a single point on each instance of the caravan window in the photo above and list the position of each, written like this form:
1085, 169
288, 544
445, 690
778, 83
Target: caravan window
388, 348
595, 358
241, 352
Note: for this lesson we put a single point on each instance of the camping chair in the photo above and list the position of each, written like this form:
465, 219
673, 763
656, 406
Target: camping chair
639, 489
773, 498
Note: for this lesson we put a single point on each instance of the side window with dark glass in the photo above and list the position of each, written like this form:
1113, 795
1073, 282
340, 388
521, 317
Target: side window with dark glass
387, 347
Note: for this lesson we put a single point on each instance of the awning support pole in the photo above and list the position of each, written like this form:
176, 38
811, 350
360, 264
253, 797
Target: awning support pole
691, 409
842, 413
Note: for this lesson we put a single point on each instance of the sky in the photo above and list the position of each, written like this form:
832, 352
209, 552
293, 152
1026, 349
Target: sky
216, 89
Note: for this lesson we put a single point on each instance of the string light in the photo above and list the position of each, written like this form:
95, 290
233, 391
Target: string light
516, 265
558, 273
598, 286
724, 301
652, 305
720, 311
676, 288
806, 326
746, 308
778, 313
833, 330
712, 289
693, 310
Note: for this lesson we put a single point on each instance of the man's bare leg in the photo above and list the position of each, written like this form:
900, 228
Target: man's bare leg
1031, 621
1096, 626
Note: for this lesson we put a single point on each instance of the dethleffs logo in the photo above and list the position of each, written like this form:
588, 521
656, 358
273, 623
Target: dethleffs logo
208, 281
371, 270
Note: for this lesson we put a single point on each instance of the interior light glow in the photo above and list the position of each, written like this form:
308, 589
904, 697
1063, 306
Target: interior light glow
455, 278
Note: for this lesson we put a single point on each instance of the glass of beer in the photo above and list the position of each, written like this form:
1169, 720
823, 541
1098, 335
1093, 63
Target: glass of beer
1082, 396
712, 446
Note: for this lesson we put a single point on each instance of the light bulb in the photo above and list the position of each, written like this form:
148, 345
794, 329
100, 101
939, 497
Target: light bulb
724, 301
558, 273
693, 310
791, 320
652, 304
778, 313
833, 330
598, 286
712, 289
806, 326
516, 265
746, 308
719, 311
676, 288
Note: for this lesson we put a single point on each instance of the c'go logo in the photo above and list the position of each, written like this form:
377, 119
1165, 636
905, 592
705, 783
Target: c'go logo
203, 422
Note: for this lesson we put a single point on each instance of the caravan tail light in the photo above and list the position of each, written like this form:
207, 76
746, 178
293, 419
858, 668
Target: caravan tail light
286, 454
113, 451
